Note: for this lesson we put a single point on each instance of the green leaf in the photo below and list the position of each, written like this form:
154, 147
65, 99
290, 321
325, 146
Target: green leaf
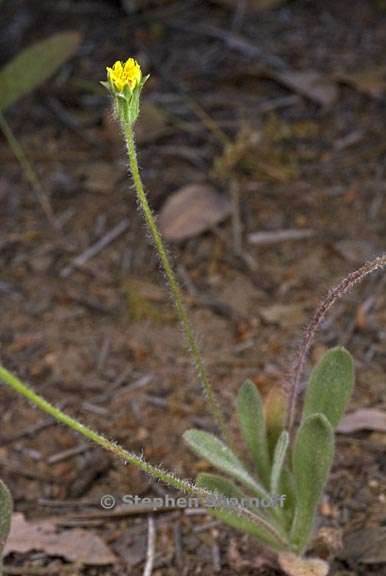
287, 487
34, 65
278, 461
248, 527
330, 386
252, 424
5, 518
217, 453
257, 527
312, 459
219, 485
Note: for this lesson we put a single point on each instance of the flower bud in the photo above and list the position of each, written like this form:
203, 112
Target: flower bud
125, 83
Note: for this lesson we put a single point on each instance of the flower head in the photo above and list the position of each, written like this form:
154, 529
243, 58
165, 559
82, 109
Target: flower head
122, 75
125, 83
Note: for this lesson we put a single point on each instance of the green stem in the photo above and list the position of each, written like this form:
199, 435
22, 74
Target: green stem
130, 457
173, 284
112, 447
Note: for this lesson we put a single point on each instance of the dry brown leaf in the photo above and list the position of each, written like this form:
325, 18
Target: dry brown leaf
295, 566
192, 210
75, 545
367, 546
310, 84
364, 419
284, 315
371, 82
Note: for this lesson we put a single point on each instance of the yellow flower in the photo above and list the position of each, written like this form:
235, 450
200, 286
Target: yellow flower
125, 74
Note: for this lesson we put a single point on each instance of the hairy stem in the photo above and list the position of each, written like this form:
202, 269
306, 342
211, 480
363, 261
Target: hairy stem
332, 297
130, 457
173, 284
112, 447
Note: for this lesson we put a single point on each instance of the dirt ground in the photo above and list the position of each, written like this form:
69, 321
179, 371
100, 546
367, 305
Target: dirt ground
101, 338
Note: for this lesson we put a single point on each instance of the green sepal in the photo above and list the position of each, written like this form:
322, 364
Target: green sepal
217, 453
312, 459
252, 424
330, 386
127, 102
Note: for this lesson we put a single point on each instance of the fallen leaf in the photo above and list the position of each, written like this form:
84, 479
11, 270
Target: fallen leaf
284, 315
367, 546
310, 84
364, 419
370, 82
75, 545
192, 210
31, 67
295, 566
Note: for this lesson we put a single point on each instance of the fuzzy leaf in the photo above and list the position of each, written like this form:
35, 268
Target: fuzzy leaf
217, 453
275, 412
223, 487
330, 386
248, 527
287, 487
252, 423
278, 461
219, 485
34, 65
5, 518
312, 459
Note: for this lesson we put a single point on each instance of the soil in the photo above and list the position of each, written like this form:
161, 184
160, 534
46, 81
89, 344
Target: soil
102, 340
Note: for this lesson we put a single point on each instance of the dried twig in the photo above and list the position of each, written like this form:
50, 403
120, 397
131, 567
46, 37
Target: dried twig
275, 236
177, 537
236, 42
93, 250
150, 547
69, 453
236, 218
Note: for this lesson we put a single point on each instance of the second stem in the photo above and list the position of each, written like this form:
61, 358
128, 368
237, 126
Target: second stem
173, 283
